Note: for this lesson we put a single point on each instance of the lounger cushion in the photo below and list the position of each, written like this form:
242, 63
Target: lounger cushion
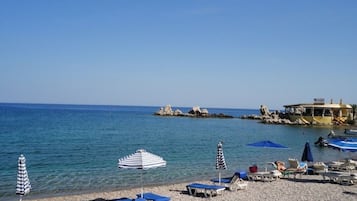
153, 197
207, 190
205, 186
223, 180
241, 174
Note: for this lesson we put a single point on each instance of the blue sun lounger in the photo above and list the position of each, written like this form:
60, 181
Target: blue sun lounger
206, 189
139, 199
153, 197
223, 180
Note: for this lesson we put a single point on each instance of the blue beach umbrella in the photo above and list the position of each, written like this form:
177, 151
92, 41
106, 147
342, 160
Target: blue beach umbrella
307, 154
267, 144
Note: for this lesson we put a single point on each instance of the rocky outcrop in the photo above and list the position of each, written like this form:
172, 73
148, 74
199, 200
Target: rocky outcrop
194, 112
264, 111
167, 111
197, 111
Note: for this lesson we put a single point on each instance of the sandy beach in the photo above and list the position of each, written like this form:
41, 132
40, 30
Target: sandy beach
309, 187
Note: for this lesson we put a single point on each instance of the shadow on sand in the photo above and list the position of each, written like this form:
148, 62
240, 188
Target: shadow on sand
350, 193
119, 199
305, 180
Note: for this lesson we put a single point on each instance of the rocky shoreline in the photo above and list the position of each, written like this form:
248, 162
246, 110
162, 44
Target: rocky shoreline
275, 117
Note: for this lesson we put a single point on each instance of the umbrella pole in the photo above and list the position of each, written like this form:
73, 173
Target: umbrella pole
142, 186
20, 197
266, 167
219, 177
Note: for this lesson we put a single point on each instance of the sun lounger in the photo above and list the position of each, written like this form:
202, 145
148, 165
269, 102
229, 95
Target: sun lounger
139, 199
342, 178
296, 165
206, 189
296, 168
346, 165
232, 183
263, 176
347, 179
223, 180
153, 197
319, 167
331, 176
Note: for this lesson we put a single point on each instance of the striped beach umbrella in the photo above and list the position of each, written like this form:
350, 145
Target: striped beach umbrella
143, 160
23, 183
220, 161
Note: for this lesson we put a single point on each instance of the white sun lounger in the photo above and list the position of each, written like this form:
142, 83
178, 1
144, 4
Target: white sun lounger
264, 176
206, 189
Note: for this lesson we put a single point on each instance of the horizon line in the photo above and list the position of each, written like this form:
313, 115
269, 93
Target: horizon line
125, 105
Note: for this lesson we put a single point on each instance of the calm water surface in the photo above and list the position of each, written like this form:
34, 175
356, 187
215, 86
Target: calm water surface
74, 148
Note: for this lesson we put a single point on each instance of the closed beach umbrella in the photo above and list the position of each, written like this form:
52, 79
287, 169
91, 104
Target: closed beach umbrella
23, 185
220, 162
307, 154
143, 160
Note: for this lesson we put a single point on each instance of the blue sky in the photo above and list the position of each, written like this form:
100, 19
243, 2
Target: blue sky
236, 54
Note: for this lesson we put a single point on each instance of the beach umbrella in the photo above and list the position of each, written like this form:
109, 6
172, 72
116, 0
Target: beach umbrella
142, 160
307, 154
23, 185
220, 162
267, 144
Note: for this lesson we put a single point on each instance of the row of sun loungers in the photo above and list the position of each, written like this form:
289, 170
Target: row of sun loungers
343, 178
195, 189
337, 172
346, 165
233, 183
341, 172
295, 168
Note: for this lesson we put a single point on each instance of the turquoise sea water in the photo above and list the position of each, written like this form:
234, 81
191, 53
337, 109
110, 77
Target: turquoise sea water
75, 148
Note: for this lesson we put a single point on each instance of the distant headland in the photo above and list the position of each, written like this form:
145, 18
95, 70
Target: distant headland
195, 112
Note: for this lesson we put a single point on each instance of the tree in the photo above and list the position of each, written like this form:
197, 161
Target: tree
354, 110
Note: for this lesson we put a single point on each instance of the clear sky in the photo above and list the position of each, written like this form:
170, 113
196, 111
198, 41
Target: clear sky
226, 53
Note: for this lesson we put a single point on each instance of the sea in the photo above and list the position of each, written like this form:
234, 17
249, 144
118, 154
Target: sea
73, 149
